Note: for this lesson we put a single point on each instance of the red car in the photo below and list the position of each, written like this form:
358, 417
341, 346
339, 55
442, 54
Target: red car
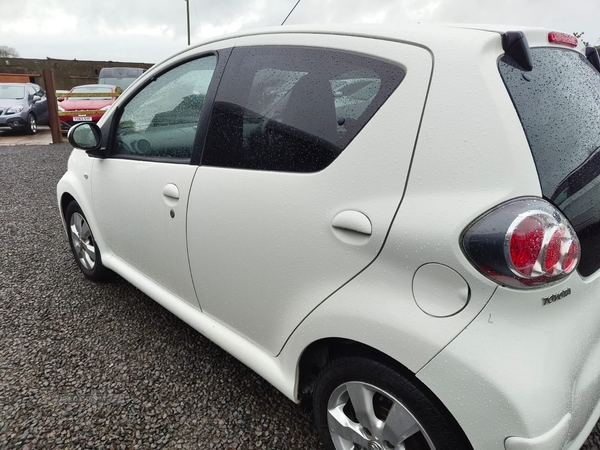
86, 109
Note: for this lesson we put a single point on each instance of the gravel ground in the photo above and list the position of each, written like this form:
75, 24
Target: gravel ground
89, 365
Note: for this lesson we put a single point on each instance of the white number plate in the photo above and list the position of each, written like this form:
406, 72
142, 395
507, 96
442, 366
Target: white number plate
82, 119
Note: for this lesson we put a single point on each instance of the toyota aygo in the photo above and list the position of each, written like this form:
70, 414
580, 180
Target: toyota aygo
398, 226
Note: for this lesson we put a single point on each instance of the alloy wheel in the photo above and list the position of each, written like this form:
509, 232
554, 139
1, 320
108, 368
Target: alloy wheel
363, 417
84, 246
32, 124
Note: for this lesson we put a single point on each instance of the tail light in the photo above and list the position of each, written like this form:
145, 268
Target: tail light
524, 243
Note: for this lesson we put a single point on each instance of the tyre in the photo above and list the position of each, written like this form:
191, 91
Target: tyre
359, 403
31, 124
84, 248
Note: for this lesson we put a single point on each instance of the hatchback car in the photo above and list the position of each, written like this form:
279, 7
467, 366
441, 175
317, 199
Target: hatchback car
418, 261
88, 106
22, 107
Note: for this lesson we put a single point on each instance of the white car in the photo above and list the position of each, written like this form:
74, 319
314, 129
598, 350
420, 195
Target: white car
405, 267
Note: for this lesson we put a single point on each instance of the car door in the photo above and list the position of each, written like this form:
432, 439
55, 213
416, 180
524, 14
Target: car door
140, 191
41, 105
300, 180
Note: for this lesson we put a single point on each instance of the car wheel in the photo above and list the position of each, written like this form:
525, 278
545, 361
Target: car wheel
84, 248
31, 124
360, 403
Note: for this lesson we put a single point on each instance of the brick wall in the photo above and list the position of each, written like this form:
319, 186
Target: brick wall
67, 73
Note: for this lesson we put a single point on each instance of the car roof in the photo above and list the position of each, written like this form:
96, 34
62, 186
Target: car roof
402, 32
428, 35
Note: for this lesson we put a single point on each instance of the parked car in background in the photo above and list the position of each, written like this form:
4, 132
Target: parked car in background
119, 76
23, 106
86, 109
397, 225
59, 93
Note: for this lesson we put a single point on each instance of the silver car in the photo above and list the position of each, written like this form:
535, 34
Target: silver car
22, 107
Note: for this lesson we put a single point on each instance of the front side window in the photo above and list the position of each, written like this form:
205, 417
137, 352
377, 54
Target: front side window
161, 120
294, 109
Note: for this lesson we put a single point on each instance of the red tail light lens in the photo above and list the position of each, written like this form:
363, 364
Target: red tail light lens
523, 243
572, 257
554, 250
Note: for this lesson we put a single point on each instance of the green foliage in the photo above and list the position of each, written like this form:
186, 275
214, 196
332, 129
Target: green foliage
579, 35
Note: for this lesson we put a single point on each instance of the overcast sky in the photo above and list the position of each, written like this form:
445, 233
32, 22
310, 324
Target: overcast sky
151, 30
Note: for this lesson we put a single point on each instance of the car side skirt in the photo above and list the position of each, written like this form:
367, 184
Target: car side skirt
265, 365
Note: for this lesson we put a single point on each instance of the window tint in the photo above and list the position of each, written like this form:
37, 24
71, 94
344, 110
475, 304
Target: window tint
38, 90
559, 104
161, 120
293, 108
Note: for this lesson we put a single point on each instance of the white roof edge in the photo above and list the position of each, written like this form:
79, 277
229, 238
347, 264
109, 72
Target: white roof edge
494, 28
378, 29
407, 32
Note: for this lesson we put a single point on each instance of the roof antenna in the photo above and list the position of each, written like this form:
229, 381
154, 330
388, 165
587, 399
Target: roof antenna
290, 13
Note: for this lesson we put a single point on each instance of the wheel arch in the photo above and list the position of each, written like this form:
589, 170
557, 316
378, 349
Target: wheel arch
317, 354
65, 199
75, 185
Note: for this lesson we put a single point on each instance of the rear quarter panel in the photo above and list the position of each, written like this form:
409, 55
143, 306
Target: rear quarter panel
471, 155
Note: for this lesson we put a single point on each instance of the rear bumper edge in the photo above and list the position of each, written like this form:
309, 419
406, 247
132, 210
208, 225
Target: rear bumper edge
554, 439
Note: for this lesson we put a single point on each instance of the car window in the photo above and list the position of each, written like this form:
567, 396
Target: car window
123, 83
161, 120
294, 108
30, 92
558, 103
91, 90
11, 92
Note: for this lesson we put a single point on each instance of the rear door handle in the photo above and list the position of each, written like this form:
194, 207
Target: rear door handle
171, 191
353, 221
171, 195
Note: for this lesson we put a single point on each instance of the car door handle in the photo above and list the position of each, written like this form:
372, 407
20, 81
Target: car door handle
171, 194
171, 191
353, 221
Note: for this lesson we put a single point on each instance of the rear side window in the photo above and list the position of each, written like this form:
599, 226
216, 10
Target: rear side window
294, 109
559, 106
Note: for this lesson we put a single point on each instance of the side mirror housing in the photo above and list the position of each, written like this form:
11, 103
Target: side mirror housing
88, 137
36, 98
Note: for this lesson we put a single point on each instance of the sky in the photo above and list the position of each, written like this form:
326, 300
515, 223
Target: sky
151, 30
